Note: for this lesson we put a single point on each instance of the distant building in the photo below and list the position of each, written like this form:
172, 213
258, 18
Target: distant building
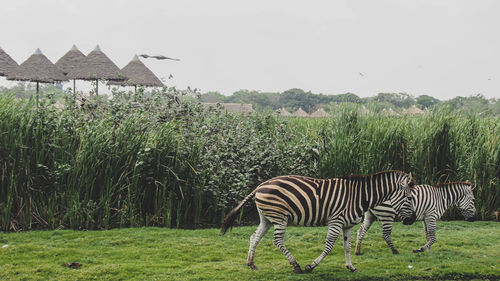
364, 110
319, 113
389, 112
283, 112
413, 110
300, 113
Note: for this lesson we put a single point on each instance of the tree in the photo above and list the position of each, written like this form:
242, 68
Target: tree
425, 101
347, 97
259, 100
212, 97
400, 100
295, 98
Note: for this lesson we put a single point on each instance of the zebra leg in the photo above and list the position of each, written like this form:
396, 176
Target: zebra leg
279, 241
369, 219
421, 249
386, 234
262, 229
347, 232
430, 235
331, 237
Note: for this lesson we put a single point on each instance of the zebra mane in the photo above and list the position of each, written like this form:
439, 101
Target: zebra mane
352, 177
445, 184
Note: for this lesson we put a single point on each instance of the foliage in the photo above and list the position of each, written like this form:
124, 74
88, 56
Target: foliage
425, 101
26, 90
294, 98
398, 100
463, 251
475, 104
212, 97
161, 158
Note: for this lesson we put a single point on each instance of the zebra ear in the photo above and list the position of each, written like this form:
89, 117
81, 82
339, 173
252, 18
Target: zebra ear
473, 186
410, 177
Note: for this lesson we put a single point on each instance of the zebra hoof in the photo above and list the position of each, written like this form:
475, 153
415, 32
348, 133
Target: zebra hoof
351, 268
297, 269
395, 252
252, 266
418, 250
358, 253
309, 268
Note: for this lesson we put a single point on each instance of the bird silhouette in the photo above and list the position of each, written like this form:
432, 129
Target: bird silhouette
158, 57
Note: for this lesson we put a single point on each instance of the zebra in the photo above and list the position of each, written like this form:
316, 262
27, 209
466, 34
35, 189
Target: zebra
430, 203
336, 202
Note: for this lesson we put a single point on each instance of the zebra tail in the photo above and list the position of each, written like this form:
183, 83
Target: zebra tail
231, 217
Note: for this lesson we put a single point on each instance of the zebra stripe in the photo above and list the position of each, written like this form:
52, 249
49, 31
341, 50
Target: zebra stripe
337, 202
429, 202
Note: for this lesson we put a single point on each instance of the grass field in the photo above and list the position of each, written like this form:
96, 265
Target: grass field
463, 251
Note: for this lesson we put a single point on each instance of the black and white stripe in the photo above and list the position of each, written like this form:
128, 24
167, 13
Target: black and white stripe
338, 203
430, 203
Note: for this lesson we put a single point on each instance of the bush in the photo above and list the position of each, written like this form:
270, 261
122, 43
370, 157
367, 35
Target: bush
163, 159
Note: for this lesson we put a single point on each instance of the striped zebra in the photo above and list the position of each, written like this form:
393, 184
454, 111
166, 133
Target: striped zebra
430, 203
337, 202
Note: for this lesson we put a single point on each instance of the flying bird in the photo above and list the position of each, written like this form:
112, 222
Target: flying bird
158, 57
361, 74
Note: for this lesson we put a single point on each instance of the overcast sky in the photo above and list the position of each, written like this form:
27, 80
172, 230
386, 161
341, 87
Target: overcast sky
441, 48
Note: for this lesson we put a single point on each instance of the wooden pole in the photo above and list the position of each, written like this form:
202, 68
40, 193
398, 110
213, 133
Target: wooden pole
74, 90
37, 90
97, 87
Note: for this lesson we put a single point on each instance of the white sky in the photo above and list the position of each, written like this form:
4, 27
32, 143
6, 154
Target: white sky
441, 48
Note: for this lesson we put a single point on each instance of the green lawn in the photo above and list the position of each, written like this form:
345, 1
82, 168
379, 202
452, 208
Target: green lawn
463, 251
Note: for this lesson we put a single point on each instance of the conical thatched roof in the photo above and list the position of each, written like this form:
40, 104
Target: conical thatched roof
71, 60
7, 64
390, 112
283, 112
413, 110
300, 113
96, 65
37, 68
364, 110
138, 74
319, 113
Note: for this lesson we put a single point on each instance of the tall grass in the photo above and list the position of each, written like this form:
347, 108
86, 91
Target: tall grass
113, 164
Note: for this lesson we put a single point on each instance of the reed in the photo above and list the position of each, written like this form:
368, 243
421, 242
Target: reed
112, 164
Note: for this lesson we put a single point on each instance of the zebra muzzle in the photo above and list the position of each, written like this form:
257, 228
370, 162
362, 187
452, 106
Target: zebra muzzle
410, 220
471, 219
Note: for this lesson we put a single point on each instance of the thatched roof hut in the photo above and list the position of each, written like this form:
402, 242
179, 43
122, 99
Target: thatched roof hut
71, 60
138, 74
413, 110
283, 112
232, 107
364, 110
7, 64
300, 113
389, 112
37, 68
96, 65
319, 113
